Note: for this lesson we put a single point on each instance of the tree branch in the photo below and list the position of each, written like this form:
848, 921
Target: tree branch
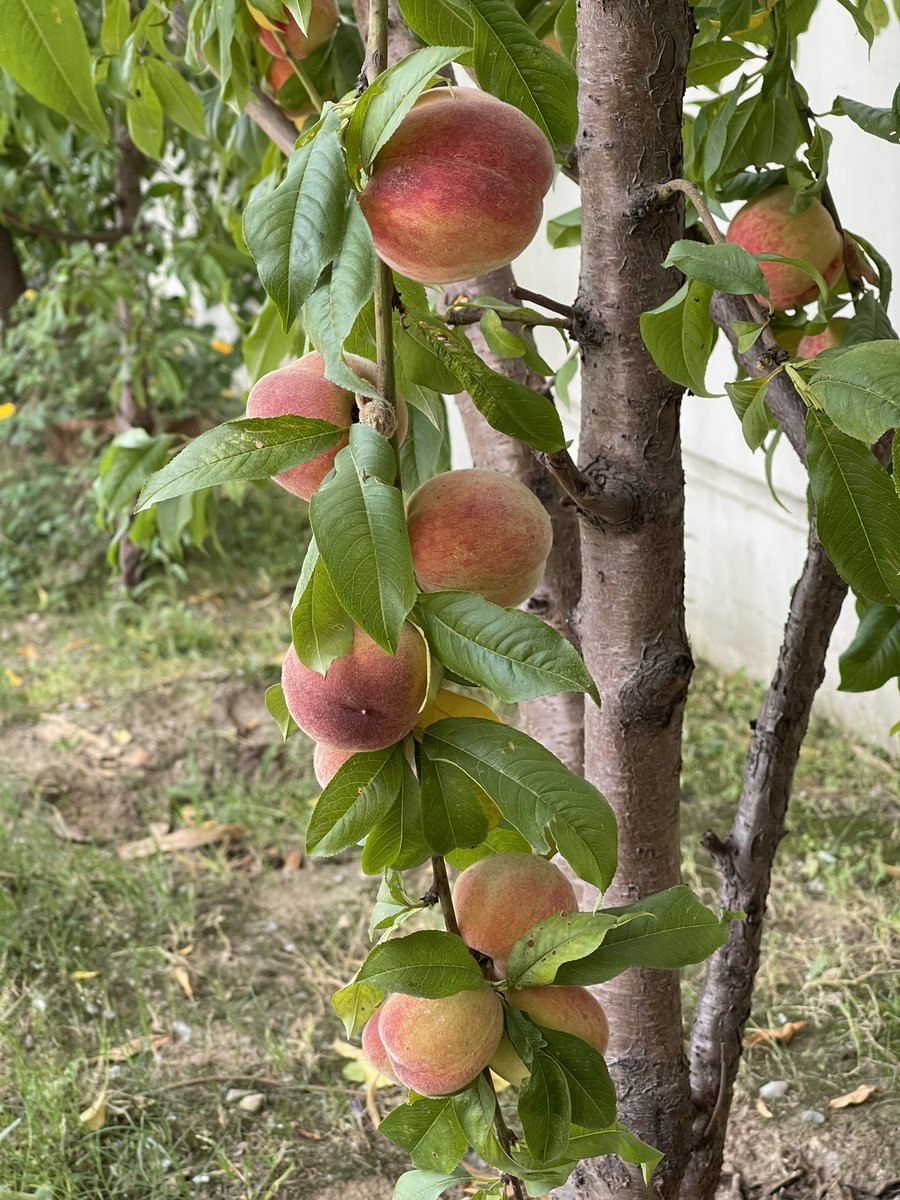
565, 310
60, 235
746, 858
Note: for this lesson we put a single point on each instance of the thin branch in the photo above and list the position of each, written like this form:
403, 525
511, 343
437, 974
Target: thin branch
299, 73
520, 293
471, 314
99, 237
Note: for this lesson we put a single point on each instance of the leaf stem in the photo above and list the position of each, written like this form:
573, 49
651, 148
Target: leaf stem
300, 72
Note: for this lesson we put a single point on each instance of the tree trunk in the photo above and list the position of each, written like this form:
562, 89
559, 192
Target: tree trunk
632, 58
12, 281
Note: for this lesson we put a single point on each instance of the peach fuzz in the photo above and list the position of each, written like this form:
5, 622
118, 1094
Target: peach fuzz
500, 897
766, 225
478, 531
815, 343
459, 188
301, 389
373, 1047
566, 1009
328, 760
438, 1046
368, 699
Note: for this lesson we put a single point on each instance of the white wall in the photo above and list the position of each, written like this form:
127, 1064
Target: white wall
743, 552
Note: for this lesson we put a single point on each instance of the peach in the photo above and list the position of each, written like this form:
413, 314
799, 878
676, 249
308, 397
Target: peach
815, 343
323, 20
373, 1047
328, 760
766, 225
438, 1046
478, 531
459, 188
368, 699
566, 1009
302, 389
500, 897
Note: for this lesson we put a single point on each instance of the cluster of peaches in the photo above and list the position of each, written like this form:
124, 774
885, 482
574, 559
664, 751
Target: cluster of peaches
436, 1047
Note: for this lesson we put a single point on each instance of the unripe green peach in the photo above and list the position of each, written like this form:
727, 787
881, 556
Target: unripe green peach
500, 897
436, 1047
458, 190
328, 760
367, 700
815, 343
566, 1009
373, 1047
301, 389
766, 225
478, 531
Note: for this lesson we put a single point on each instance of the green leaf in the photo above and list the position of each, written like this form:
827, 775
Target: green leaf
116, 26
565, 230
248, 448
294, 232
355, 1003
857, 10
515, 65
499, 339
533, 790
804, 266
869, 323
452, 812
873, 657
859, 388
511, 653
858, 510
667, 931
179, 100
385, 103
360, 528
357, 798
331, 311
144, 116
680, 336
126, 464
748, 397
498, 841
539, 953
43, 47
712, 61
439, 23
266, 345
616, 1140
398, 839
508, 406
427, 1185
428, 963
880, 122
425, 451
762, 132
544, 1107
591, 1091
320, 628
885, 274
278, 711
429, 1131
725, 267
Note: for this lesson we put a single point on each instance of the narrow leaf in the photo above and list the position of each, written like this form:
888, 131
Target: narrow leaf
360, 794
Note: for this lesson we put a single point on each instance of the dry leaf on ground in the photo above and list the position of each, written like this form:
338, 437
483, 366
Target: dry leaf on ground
184, 981
784, 1033
181, 839
127, 1050
93, 1117
763, 1110
859, 1095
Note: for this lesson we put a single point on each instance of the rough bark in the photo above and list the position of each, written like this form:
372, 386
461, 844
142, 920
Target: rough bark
632, 57
12, 280
557, 722
745, 860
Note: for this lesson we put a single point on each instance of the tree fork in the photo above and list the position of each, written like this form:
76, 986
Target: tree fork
632, 59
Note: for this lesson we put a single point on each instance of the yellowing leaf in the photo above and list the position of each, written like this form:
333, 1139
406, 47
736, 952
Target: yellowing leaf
93, 1117
12, 678
184, 981
371, 1076
859, 1095
452, 704
128, 1050
6, 411
29, 651
121, 736
84, 974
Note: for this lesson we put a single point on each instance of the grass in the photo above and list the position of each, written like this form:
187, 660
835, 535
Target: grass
230, 956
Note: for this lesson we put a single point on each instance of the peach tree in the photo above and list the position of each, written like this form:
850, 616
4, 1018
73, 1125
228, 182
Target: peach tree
404, 643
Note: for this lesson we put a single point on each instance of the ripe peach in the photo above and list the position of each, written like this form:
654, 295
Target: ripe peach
302, 389
458, 190
373, 1047
566, 1009
766, 225
323, 20
815, 343
368, 699
500, 897
436, 1047
478, 531
328, 760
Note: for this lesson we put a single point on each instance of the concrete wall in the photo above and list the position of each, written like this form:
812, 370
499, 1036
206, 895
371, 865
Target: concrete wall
744, 553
